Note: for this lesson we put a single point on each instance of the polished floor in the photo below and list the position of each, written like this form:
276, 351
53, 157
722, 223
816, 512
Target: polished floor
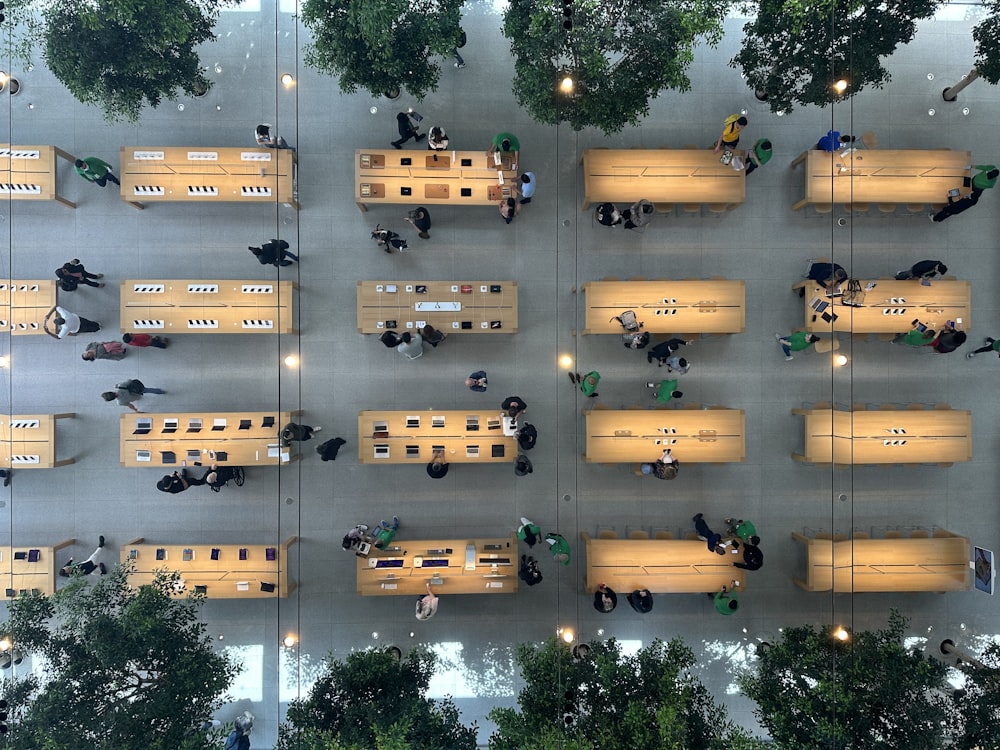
551, 250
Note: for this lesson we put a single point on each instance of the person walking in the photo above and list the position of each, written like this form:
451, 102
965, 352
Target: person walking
437, 468
955, 207
925, 270
663, 351
726, 601
104, 350
729, 139
72, 273
916, 337
588, 383
407, 130
795, 342
991, 345
527, 187
273, 253
297, 433
411, 345
559, 547
666, 390
825, 274
88, 566
477, 381
712, 538
462, 40
509, 207
522, 465
128, 392
427, 605
144, 340
66, 323
420, 218
95, 170
529, 532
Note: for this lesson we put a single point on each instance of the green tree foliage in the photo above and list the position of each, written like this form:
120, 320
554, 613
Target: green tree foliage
379, 45
794, 50
121, 55
974, 715
987, 36
24, 30
620, 54
613, 702
815, 692
124, 668
372, 701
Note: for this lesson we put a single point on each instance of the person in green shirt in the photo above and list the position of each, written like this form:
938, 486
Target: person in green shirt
95, 170
985, 178
559, 547
384, 533
916, 337
588, 383
745, 530
991, 345
760, 155
726, 602
795, 342
506, 142
665, 391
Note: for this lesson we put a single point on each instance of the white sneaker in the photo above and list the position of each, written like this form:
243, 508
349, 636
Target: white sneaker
778, 336
651, 385
317, 429
789, 357
970, 355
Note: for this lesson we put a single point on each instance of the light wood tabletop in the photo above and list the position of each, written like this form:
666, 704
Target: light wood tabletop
451, 566
882, 175
31, 173
637, 435
23, 573
489, 306
473, 436
174, 306
664, 566
671, 175
886, 436
226, 577
24, 305
457, 178
667, 306
28, 441
891, 307
181, 173
938, 563
172, 440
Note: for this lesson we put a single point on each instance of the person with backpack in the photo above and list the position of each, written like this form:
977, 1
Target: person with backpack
729, 139
273, 253
637, 340
527, 436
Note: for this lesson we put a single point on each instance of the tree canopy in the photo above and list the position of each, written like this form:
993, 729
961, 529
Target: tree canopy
794, 50
123, 668
816, 692
987, 36
612, 701
121, 55
371, 700
974, 715
379, 45
620, 55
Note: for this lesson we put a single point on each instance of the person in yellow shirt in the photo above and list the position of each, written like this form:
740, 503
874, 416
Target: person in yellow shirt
730, 136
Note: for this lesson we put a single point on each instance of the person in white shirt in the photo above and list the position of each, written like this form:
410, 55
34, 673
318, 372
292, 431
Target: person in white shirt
66, 323
437, 139
427, 605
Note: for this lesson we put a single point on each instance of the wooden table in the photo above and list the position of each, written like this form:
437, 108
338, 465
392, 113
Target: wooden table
489, 567
882, 176
940, 563
172, 306
892, 306
246, 438
905, 436
443, 304
415, 445
23, 576
664, 566
694, 436
28, 441
670, 175
24, 305
227, 577
456, 178
30, 173
180, 173
713, 306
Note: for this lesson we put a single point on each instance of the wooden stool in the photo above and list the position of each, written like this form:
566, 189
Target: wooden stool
827, 345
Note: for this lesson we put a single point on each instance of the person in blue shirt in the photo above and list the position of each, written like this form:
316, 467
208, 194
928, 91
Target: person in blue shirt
833, 140
527, 187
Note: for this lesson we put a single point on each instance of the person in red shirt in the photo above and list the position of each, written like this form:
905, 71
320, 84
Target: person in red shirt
144, 340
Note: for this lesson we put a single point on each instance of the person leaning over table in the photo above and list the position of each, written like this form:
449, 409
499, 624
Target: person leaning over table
437, 139
67, 323
506, 142
753, 558
509, 207
956, 206
411, 345
437, 468
985, 178
513, 406
427, 605
176, 482
916, 337
925, 270
607, 215
759, 155
825, 274
666, 466
949, 340
605, 599
726, 601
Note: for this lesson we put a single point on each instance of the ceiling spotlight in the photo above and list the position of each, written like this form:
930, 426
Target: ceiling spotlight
840, 360
565, 361
291, 361
287, 80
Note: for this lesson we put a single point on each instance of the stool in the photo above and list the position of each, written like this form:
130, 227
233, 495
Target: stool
869, 139
827, 345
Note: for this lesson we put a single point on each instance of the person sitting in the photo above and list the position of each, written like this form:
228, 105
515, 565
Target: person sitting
605, 599
174, 483
263, 136
607, 215
666, 466
217, 476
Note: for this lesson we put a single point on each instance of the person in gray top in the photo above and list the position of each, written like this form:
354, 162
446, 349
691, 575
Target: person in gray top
411, 345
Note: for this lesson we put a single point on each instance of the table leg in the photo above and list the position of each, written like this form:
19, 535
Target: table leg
800, 204
64, 201
136, 204
361, 207
798, 160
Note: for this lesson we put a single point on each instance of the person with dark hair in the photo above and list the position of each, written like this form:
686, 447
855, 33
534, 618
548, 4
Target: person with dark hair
432, 335
588, 383
407, 130
522, 465
753, 558
299, 433
505, 143
239, 738
663, 351
759, 155
726, 601
420, 218
605, 599
437, 468
641, 600
509, 207
427, 605
86, 567
477, 381
949, 339
67, 323
177, 482
529, 572
990, 345
665, 391
274, 253
384, 533
744, 530
144, 340
925, 270
607, 215
529, 532
678, 365
832, 141
462, 41
262, 134
129, 391
711, 538
795, 342
527, 187
411, 345
437, 139
72, 273
526, 436
956, 205
916, 337
390, 339
513, 406
95, 170
730, 136
666, 466
826, 274
104, 350
354, 537
328, 450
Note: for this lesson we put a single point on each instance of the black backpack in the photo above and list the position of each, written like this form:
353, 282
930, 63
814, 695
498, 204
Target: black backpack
629, 322
527, 436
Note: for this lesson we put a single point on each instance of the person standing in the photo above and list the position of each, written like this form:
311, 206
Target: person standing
666, 466
437, 468
726, 601
605, 599
666, 390
297, 433
420, 218
925, 270
825, 274
607, 215
916, 337
477, 381
462, 40
759, 155
66, 323
588, 383
795, 342
411, 345
104, 350
513, 406
407, 130
955, 207
177, 482
753, 558
729, 139
678, 365
390, 339
949, 340
427, 605
527, 187
529, 572
274, 253
88, 566
662, 351
509, 207
384, 533
641, 600
712, 538
529, 532
144, 339
506, 143
991, 345
6, 474
743, 530
264, 137
95, 170
72, 273
129, 391
559, 547
437, 139
522, 465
